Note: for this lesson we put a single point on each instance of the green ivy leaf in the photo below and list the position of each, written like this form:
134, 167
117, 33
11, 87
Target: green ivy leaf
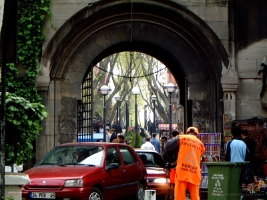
25, 111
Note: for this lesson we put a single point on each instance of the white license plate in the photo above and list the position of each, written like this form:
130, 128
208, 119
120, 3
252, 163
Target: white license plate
43, 195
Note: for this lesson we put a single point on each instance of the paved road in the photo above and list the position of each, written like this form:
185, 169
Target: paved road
203, 196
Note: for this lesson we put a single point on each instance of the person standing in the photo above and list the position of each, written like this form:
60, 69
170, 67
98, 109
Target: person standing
108, 135
155, 142
148, 145
113, 135
175, 133
108, 123
95, 125
235, 149
251, 144
188, 169
142, 131
162, 142
149, 124
119, 128
120, 139
115, 126
101, 128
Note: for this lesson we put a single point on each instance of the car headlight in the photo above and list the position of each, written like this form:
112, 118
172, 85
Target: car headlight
161, 180
74, 183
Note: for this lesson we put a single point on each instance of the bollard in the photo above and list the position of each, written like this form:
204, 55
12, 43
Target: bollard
150, 195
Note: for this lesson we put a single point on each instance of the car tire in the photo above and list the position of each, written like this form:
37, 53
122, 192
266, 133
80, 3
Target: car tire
140, 193
95, 194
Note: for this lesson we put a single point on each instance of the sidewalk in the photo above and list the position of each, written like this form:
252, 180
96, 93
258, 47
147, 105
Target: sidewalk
203, 196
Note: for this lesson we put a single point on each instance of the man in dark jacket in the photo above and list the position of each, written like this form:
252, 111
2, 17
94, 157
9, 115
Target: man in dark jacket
113, 134
251, 145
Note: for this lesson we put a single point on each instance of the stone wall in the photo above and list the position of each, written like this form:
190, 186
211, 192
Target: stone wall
240, 80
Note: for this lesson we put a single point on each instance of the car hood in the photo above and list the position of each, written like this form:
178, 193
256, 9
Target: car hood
61, 172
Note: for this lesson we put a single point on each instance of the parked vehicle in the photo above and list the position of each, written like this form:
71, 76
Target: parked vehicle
87, 170
157, 175
87, 137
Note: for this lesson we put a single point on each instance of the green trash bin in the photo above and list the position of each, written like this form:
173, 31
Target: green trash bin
224, 180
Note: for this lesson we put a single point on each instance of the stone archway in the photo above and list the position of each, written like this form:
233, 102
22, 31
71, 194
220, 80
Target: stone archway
162, 29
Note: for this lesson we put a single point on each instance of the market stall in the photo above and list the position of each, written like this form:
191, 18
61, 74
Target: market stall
164, 128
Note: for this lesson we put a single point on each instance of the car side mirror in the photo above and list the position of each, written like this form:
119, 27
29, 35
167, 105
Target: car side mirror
112, 166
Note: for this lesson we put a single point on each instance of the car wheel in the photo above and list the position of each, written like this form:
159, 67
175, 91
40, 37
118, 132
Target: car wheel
140, 193
95, 194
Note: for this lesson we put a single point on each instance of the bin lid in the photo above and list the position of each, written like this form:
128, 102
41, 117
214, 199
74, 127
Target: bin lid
220, 163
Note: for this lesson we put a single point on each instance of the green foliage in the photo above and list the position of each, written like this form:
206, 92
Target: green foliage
31, 17
128, 136
23, 125
25, 112
9, 198
131, 137
22, 86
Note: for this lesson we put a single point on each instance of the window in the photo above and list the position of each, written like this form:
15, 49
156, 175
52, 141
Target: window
152, 159
128, 156
72, 155
112, 156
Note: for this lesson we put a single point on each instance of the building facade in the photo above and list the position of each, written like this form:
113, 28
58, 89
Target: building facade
213, 48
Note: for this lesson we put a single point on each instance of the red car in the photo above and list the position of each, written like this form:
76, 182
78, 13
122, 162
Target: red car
157, 176
87, 170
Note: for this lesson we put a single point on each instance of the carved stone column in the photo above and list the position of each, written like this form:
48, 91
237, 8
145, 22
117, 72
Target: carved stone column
229, 82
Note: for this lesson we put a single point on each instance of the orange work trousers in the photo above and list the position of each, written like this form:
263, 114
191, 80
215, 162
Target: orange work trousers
180, 190
173, 175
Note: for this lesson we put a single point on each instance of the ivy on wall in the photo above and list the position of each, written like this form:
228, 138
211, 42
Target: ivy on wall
24, 123
31, 17
25, 111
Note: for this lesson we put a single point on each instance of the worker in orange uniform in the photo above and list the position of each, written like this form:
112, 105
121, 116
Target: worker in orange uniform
188, 169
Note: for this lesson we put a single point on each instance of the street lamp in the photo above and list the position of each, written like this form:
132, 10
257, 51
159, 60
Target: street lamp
104, 91
170, 89
154, 98
136, 91
127, 114
145, 115
118, 99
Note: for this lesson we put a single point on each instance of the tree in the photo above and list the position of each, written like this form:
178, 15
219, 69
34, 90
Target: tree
132, 69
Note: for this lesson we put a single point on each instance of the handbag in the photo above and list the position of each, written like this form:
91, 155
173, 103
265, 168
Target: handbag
247, 175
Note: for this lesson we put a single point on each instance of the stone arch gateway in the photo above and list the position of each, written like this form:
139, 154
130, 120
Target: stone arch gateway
163, 29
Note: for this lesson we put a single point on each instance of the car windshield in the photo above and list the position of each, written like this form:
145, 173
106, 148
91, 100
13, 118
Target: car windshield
151, 159
74, 155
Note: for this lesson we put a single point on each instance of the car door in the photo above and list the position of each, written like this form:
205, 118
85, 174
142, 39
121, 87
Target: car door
132, 169
114, 181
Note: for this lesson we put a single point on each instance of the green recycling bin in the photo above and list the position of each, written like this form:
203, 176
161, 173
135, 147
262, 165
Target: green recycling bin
224, 180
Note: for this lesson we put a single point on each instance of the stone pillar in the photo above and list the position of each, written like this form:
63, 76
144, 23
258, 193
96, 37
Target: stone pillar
13, 183
229, 82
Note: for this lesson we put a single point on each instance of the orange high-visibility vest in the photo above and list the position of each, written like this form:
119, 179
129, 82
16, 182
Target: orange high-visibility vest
189, 157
